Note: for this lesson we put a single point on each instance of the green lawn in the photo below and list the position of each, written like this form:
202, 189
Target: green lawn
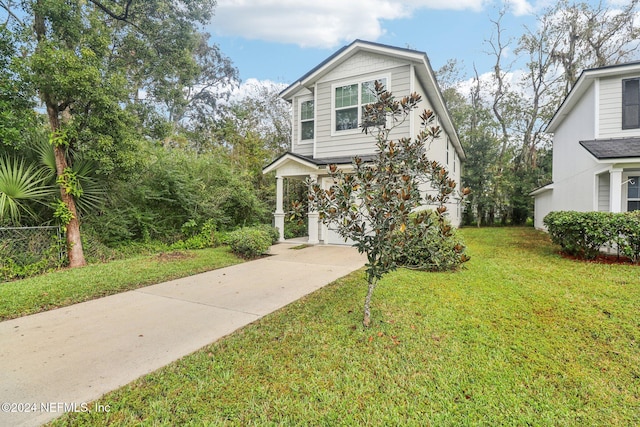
66, 287
520, 337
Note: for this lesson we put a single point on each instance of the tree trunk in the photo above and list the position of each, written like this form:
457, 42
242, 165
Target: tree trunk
367, 303
75, 252
74, 242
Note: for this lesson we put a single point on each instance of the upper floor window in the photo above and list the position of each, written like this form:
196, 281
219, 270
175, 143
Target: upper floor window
349, 101
347, 107
448, 151
307, 124
455, 160
631, 103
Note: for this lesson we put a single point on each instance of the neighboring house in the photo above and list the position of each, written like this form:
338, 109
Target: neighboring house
326, 105
596, 145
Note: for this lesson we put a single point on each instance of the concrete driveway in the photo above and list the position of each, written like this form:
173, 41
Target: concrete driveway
60, 360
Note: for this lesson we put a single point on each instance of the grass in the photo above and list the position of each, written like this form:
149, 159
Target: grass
66, 287
521, 336
299, 247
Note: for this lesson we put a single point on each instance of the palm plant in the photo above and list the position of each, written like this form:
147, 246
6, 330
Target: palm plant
21, 185
93, 192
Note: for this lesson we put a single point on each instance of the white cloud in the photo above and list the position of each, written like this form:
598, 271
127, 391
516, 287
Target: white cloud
620, 3
325, 23
520, 7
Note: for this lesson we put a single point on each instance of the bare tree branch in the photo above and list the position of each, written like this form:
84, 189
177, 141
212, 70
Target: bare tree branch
7, 6
122, 17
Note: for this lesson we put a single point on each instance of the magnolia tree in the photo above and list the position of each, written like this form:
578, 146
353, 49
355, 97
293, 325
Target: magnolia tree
379, 205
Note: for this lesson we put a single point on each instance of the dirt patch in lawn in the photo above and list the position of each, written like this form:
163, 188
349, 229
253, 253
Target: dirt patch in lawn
173, 256
601, 259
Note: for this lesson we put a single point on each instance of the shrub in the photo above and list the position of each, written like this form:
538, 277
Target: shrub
249, 242
628, 238
433, 250
273, 232
294, 229
583, 234
205, 238
175, 191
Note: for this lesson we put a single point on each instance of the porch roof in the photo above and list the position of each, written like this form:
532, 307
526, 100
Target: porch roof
613, 148
542, 189
311, 161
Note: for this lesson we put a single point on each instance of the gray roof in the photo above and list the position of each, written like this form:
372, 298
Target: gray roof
614, 148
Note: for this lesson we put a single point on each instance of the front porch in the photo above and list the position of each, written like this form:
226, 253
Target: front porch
617, 186
618, 189
294, 166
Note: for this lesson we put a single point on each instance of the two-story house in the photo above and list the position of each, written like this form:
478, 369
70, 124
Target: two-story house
596, 145
327, 113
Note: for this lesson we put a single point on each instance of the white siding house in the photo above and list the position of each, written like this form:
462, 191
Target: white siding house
596, 145
326, 104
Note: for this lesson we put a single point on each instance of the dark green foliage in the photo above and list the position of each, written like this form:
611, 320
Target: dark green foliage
273, 232
250, 242
175, 188
628, 237
437, 249
205, 238
584, 234
294, 229
132, 93
17, 116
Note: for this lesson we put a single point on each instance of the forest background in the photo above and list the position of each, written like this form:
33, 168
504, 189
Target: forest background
121, 120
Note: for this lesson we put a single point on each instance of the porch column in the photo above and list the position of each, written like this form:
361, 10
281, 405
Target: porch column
313, 217
615, 183
279, 213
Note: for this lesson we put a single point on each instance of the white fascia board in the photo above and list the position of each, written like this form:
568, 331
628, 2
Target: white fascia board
287, 158
541, 190
569, 102
582, 84
437, 101
621, 161
347, 52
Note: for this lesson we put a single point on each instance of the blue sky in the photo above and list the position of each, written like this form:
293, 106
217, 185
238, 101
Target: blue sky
280, 40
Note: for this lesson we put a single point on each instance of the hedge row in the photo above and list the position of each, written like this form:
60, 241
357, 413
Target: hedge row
583, 234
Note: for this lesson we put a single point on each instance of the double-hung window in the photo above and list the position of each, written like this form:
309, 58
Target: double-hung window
631, 103
307, 124
633, 193
347, 107
349, 101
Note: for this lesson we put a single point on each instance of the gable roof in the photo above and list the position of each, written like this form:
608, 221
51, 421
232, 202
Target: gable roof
346, 52
584, 82
424, 73
615, 148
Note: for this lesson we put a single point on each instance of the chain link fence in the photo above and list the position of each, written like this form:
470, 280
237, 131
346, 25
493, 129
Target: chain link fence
25, 251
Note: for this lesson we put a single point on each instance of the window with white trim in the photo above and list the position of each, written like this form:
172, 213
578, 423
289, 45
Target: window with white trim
633, 194
631, 103
307, 123
448, 151
455, 160
349, 101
